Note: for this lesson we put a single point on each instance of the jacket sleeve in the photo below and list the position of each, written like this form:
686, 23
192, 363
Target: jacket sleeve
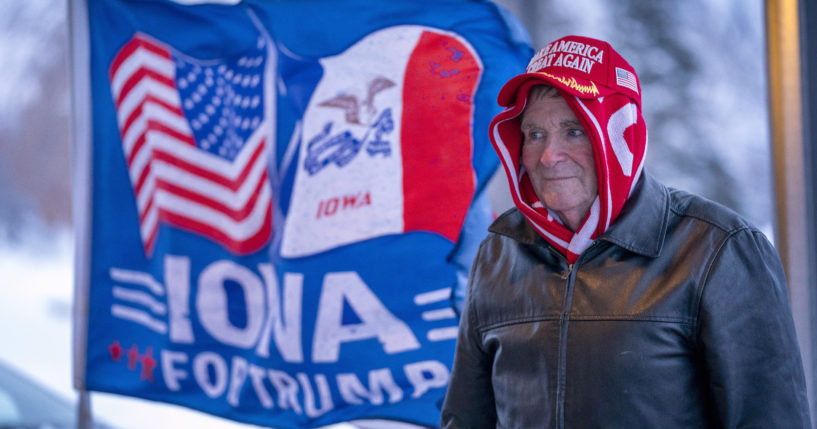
469, 401
747, 338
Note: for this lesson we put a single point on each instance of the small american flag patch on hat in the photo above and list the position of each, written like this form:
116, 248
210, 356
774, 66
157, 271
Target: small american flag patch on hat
626, 79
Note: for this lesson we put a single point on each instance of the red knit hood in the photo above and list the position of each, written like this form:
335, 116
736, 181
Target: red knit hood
604, 93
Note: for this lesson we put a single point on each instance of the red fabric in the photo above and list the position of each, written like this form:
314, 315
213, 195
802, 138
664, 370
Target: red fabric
617, 131
438, 179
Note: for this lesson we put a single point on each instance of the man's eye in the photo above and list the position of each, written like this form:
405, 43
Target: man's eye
575, 133
535, 135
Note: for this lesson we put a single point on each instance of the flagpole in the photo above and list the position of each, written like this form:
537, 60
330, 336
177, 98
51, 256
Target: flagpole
81, 151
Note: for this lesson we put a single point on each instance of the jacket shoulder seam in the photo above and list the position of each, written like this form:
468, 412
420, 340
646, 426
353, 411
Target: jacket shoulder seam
517, 321
635, 318
729, 230
708, 270
610, 317
473, 312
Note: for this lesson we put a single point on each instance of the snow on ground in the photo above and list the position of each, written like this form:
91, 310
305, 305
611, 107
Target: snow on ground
36, 288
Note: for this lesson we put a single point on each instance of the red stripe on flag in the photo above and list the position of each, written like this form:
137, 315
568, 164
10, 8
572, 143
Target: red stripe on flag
209, 175
438, 178
156, 125
143, 214
149, 99
241, 247
235, 214
150, 241
137, 77
138, 41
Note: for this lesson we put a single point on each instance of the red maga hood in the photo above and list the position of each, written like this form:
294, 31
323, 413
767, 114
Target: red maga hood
603, 91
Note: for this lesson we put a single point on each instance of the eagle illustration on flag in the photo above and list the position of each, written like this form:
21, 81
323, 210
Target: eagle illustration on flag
195, 138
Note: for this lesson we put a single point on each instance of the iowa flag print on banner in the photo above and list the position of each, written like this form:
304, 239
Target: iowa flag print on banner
285, 199
366, 158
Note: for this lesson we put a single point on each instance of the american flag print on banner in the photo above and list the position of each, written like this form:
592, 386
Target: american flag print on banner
626, 79
196, 142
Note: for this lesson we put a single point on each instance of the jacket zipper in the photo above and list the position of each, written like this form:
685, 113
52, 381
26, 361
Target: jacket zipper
567, 271
564, 320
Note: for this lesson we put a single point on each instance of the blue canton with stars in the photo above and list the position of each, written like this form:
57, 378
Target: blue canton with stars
221, 99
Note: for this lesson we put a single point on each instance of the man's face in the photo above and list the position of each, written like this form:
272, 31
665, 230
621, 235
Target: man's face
558, 156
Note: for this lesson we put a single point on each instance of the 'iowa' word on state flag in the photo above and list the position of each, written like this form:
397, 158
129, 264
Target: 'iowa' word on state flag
284, 199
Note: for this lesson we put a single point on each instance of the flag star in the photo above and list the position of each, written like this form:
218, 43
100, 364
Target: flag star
148, 365
133, 354
222, 102
115, 350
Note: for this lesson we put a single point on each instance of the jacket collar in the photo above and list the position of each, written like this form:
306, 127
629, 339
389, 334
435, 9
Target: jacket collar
640, 228
642, 224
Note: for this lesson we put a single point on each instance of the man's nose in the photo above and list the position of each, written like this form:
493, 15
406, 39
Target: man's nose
553, 153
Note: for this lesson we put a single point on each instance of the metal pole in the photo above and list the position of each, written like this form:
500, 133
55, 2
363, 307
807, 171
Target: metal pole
81, 125
84, 416
791, 170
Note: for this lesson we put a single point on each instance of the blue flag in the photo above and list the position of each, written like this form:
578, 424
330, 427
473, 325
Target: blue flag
286, 198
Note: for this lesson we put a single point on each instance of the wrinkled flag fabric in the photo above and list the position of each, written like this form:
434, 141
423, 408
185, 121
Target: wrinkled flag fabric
285, 197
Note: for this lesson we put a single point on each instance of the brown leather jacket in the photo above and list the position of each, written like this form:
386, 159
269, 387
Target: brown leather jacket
677, 317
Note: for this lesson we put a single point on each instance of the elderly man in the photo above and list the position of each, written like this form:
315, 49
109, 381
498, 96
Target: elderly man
605, 299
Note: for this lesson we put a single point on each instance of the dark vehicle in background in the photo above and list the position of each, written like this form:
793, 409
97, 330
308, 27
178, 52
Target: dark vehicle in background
25, 404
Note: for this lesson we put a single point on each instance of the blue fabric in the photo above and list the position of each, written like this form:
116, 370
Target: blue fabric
355, 330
